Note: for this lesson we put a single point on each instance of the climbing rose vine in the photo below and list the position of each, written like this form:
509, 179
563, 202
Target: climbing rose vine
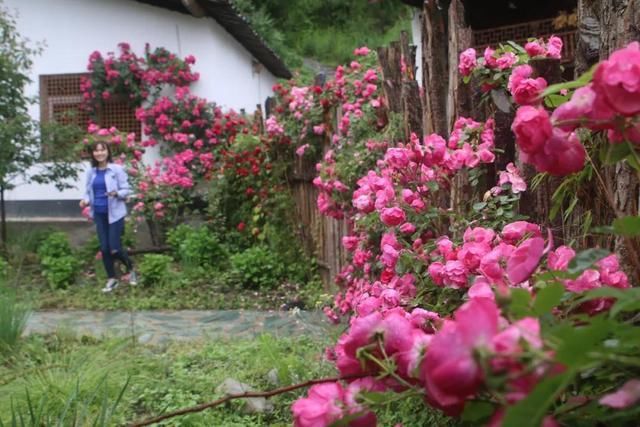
480, 312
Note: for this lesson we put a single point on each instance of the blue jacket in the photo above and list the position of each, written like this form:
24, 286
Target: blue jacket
115, 179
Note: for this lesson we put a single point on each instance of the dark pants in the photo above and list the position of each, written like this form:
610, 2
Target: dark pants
110, 245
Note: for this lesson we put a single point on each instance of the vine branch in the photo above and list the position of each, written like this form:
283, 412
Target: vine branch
203, 406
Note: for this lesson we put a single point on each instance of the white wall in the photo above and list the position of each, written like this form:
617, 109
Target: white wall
72, 29
416, 33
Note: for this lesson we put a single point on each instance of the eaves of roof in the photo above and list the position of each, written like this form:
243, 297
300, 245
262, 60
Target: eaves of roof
238, 26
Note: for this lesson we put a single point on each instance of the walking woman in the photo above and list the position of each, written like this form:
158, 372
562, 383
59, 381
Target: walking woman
107, 187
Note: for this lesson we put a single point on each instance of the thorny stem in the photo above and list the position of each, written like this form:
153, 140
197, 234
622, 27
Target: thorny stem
203, 406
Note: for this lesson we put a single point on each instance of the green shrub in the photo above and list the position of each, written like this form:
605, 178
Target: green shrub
155, 269
54, 245
59, 263
13, 319
59, 272
257, 267
4, 270
197, 247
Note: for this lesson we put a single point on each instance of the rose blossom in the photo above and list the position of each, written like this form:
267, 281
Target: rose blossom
467, 62
618, 80
532, 128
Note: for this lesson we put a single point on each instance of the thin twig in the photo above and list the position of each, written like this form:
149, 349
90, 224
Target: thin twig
203, 406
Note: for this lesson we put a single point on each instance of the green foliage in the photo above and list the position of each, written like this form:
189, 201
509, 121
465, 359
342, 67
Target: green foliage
64, 376
4, 270
13, 319
197, 247
55, 245
59, 264
59, 272
155, 270
257, 267
328, 31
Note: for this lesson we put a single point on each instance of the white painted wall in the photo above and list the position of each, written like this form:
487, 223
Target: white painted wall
416, 33
72, 29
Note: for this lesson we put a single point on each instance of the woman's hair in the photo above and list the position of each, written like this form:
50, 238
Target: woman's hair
92, 147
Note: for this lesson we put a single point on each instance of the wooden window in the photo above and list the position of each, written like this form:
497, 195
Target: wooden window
61, 101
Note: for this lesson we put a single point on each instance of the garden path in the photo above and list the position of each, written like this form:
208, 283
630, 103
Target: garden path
158, 327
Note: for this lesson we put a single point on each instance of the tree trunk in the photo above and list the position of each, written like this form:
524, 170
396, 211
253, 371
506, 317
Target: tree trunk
460, 38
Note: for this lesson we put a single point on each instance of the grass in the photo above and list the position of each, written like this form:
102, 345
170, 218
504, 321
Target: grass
62, 373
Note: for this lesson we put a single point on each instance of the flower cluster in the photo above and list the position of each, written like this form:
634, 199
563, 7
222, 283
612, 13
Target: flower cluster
506, 68
134, 77
609, 102
449, 305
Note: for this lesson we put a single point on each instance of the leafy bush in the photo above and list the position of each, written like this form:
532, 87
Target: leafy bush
59, 264
155, 269
55, 245
4, 269
13, 319
257, 267
197, 247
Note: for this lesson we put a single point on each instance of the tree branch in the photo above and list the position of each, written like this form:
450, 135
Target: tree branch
203, 406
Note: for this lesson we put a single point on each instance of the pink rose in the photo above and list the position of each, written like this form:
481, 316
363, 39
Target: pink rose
524, 260
489, 59
534, 49
392, 216
450, 371
625, 397
532, 128
528, 91
467, 62
560, 258
518, 74
618, 80
554, 47
321, 408
507, 60
562, 154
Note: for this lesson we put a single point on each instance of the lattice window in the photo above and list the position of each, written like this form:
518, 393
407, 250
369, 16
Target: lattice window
61, 100
519, 33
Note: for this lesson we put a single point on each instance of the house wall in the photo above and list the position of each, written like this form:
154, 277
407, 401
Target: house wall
416, 35
72, 29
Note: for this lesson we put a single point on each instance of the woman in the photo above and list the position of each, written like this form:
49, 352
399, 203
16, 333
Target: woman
107, 187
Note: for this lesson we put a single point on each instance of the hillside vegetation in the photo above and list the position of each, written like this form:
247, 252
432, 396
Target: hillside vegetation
325, 30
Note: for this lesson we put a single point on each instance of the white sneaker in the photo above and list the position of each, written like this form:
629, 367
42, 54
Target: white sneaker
133, 278
111, 285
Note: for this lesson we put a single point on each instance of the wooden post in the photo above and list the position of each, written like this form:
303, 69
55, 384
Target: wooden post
410, 93
434, 67
460, 38
389, 58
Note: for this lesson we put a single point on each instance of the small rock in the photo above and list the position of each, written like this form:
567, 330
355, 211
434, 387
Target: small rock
272, 378
254, 405
145, 338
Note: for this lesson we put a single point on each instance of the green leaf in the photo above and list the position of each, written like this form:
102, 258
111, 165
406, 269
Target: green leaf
479, 206
554, 100
583, 80
501, 100
547, 298
531, 410
632, 160
520, 303
627, 226
613, 153
575, 346
586, 259
377, 398
477, 411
